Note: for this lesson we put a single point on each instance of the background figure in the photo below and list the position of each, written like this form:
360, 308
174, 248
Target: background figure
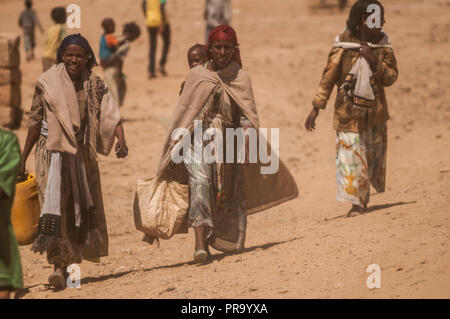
217, 12
196, 56
157, 22
55, 34
27, 21
360, 64
112, 52
342, 4
10, 267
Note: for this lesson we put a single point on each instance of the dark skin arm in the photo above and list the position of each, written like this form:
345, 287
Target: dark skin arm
32, 137
310, 123
121, 148
163, 15
34, 132
366, 52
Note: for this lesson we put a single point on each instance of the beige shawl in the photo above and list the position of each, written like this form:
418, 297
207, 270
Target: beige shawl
261, 191
63, 112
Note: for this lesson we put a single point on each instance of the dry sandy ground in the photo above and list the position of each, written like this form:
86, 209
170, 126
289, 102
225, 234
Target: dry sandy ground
304, 248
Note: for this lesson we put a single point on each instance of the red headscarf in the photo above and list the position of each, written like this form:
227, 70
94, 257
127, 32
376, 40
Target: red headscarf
224, 33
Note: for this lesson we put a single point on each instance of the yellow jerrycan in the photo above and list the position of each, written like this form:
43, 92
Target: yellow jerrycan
25, 211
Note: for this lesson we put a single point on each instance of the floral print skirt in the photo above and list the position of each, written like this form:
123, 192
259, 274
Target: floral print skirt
361, 161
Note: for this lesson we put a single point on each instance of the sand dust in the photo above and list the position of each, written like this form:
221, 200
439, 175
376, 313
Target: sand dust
304, 248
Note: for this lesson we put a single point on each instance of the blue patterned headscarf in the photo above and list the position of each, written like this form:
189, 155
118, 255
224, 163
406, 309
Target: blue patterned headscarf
77, 39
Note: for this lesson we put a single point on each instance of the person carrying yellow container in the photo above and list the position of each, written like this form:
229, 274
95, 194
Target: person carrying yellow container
156, 20
10, 266
73, 117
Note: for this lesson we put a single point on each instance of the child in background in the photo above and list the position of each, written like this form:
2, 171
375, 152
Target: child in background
27, 21
196, 56
112, 53
109, 27
130, 33
55, 35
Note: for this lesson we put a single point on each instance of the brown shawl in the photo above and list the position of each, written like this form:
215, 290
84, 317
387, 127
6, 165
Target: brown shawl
261, 191
63, 113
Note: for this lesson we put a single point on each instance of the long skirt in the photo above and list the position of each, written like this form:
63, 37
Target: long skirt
225, 216
361, 161
69, 249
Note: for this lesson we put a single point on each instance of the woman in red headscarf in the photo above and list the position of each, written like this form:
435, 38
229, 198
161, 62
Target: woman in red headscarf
218, 95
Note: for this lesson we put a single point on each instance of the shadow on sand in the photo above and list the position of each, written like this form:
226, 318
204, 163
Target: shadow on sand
218, 257
372, 209
213, 258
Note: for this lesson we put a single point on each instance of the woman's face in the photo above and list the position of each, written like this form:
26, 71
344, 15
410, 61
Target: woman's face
222, 53
75, 59
374, 32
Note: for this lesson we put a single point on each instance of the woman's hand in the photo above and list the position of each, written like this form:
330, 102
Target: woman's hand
121, 148
32, 137
310, 123
366, 53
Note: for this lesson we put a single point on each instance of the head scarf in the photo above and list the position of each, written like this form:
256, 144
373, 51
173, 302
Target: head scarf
77, 39
224, 33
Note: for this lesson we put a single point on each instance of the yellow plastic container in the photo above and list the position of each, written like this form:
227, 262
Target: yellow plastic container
25, 211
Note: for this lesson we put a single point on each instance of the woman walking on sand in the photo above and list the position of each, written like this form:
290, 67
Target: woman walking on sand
219, 94
361, 63
73, 117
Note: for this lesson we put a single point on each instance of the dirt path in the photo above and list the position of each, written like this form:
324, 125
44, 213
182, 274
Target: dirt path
304, 248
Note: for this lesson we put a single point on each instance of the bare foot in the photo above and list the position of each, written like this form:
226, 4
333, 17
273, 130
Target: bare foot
355, 211
162, 70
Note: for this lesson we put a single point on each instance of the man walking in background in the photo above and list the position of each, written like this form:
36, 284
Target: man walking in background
157, 22
217, 12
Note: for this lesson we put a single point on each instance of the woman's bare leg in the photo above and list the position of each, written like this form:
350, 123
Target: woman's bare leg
200, 238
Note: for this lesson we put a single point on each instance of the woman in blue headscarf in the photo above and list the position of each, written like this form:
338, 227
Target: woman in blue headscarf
72, 118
